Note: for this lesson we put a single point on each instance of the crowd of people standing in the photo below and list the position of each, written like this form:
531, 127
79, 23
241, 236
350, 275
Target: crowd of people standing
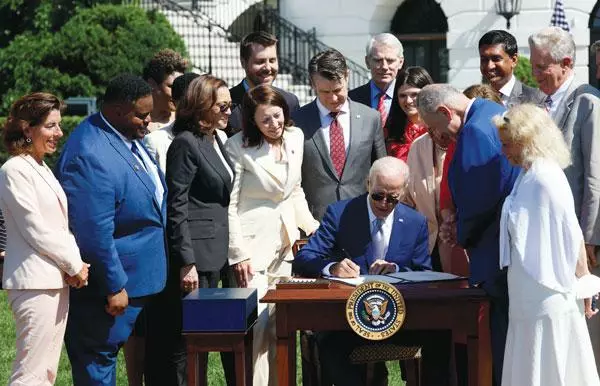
180, 182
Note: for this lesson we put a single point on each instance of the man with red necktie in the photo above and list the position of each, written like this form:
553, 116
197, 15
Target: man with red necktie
384, 57
342, 138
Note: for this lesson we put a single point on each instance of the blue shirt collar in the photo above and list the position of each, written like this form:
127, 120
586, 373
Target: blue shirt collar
245, 84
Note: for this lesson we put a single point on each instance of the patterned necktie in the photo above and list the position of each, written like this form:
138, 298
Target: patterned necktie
158, 193
337, 147
381, 108
136, 153
548, 103
377, 239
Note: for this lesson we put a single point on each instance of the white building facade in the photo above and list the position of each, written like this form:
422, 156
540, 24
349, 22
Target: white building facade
348, 24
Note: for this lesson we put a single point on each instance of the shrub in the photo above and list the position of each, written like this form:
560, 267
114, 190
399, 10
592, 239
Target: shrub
90, 49
67, 125
523, 72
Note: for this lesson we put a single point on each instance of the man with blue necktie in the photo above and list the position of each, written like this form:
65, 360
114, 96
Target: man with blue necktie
373, 233
115, 193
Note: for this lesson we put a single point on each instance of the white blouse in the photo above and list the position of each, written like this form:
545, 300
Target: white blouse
539, 226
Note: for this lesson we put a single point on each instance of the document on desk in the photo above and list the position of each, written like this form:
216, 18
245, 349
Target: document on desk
366, 278
399, 277
421, 276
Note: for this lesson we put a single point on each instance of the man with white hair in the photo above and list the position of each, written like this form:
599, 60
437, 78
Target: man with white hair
575, 108
384, 57
479, 177
374, 233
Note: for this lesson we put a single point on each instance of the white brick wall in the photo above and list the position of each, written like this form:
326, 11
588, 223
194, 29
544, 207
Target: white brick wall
348, 24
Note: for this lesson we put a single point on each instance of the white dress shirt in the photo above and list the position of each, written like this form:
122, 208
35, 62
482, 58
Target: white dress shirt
343, 119
147, 164
223, 137
506, 90
559, 95
388, 223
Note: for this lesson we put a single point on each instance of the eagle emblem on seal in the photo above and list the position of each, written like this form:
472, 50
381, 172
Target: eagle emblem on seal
376, 310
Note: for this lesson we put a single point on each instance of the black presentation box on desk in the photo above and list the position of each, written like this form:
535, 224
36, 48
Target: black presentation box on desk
219, 309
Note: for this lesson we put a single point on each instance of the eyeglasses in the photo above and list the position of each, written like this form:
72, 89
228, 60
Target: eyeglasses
389, 198
224, 107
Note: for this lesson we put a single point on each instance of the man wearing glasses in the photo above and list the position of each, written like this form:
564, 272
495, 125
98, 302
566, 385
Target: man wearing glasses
373, 233
369, 234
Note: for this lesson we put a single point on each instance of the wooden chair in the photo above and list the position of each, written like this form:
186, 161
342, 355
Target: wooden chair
368, 354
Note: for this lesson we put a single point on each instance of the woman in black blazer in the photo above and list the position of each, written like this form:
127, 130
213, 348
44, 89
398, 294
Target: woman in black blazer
199, 181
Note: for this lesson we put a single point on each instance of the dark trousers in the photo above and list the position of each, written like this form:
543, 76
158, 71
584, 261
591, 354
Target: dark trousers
497, 290
166, 357
335, 348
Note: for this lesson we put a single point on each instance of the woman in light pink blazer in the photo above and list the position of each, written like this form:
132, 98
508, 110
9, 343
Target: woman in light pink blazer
266, 208
42, 258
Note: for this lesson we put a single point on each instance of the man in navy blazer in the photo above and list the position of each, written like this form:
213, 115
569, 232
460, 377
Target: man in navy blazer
480, 177
373, 234
115, 193
258, 57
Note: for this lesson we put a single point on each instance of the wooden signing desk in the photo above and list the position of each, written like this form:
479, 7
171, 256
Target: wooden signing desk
429, 306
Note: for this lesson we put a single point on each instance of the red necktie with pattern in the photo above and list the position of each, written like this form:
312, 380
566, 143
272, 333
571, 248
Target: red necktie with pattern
382, 112
337, 147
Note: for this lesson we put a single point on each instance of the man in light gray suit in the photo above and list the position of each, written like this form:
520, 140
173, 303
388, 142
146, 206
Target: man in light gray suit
498, 58
342, 138
575, 108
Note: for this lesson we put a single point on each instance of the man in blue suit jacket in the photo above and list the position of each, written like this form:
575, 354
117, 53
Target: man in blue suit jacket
480, 177
115, 193
373, 234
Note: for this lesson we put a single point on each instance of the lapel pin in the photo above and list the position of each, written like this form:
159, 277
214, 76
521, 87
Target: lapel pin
357, 115
136, 168
400, 220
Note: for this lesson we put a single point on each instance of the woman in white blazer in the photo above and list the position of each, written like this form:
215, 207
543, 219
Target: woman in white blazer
42, 258
266, 208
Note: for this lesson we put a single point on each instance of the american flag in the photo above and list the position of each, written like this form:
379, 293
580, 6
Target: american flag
559, 18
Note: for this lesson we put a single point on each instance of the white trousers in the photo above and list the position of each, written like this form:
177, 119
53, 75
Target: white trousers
40, 318
264, 344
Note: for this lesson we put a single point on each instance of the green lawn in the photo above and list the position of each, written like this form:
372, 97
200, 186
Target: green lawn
7, 354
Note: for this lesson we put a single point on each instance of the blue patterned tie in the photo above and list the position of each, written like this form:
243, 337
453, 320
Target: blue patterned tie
136, 153
377, 239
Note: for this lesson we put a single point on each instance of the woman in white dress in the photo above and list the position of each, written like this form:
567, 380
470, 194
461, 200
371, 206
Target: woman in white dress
542, 244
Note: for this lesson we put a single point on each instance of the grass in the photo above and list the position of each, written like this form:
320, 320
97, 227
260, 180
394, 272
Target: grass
215, 371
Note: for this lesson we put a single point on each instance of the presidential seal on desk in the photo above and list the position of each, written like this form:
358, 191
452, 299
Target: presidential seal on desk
375, 310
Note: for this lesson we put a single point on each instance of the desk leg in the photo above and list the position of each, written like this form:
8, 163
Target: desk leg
286, 348
240, 364
480, 352
192, 368
248, 358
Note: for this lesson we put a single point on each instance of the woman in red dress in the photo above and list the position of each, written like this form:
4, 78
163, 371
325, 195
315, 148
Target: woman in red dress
404, 124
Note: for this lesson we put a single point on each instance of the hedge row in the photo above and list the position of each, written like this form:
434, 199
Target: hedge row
80, 58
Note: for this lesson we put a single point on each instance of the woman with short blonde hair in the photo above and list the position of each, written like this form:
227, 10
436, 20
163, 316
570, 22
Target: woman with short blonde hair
536, 135
541, 243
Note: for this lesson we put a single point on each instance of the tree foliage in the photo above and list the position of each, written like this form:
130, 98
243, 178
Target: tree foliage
523, 72
35, 16
85, 53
